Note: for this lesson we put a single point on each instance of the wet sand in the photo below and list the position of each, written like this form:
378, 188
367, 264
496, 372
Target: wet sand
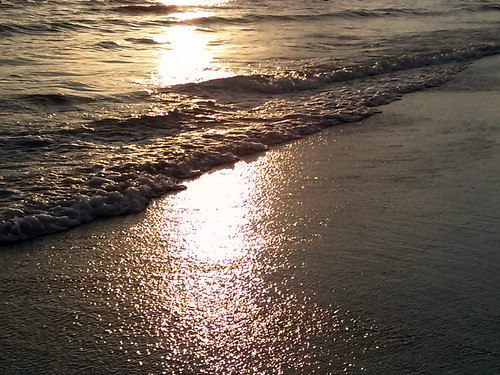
370, 248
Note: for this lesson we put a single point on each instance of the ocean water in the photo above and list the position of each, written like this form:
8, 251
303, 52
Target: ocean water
368, 248
106, 104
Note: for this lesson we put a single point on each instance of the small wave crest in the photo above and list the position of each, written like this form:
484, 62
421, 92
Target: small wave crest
344, 14
145, 41
33, 28
382, 12
55, 100
5, 4
143, 127
108, 44
24, 142
483, 8
286, 84
146, 9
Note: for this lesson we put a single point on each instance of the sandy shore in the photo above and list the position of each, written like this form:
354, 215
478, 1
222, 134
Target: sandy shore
371, 247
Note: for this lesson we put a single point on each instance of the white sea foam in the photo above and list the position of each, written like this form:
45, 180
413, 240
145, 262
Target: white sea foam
112, 199
95, 138
128, 187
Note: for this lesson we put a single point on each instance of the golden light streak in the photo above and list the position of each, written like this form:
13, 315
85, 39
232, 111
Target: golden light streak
186, 58
193, 3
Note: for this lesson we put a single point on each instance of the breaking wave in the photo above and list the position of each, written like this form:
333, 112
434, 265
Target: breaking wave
315, 80
142, 9
75, 149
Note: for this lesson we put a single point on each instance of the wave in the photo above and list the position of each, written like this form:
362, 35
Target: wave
108, 44
483, 8
5, 5
165, 125
121, 198
146, 9
344, 14
33, 29
24, 142
180, 145
55, 100
384, 12
146, 41
351, 14
267, 84
128, 188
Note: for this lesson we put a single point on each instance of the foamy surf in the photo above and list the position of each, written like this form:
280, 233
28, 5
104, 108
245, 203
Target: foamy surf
124, 100
118, 189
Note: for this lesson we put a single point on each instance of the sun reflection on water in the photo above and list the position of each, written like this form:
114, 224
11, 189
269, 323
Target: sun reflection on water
186, 57
188, 52
207, 286
216, 225
193, 2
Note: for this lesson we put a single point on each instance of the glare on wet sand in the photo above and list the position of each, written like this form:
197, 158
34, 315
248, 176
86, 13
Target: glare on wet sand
210, 287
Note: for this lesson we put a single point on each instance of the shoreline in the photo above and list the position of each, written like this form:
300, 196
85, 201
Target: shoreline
387, 228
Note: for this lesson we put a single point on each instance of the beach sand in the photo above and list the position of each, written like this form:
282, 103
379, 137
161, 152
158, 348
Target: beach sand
370, 247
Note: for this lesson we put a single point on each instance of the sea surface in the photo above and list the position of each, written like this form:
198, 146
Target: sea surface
368, 248
106, 104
